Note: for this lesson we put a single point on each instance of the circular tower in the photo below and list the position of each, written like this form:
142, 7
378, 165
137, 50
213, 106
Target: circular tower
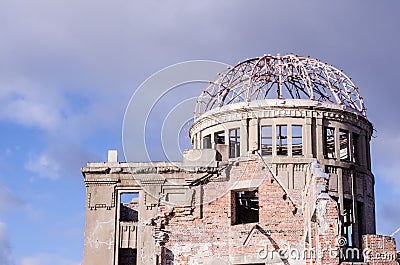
294, 111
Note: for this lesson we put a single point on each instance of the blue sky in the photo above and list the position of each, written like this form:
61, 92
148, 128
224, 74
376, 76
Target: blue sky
68, 69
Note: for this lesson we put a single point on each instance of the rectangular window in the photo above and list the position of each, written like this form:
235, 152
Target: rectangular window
360, 221
234, 143
207, 142
127, 256
129, 207
246, 210
297, 140
367, 139
348, 221
266, 140
219, 137
329, 142
281, 140
356, 146
344, 145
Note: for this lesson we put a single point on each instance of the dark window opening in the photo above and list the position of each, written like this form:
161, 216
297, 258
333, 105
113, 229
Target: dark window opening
234, 143
246, 210
368, 152
127, 256
344, 145
219, 137
167, 256
207, 142
129, 207
281, 140
360, 221
329, 142
266, 140
297, 140
356, 146
348, 221
352, 239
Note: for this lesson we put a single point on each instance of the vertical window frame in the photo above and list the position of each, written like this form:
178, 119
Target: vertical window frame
281, 140
206, 141
329, 148
298, 151
234, 143
356, 148
266, 140
344, 145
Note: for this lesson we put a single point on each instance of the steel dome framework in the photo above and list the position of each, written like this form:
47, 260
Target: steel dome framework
280, 77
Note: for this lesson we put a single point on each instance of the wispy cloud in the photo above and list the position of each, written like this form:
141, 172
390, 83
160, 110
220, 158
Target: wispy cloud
61, 158
9, 200
44, 166
5, 257
47, 259
28, 103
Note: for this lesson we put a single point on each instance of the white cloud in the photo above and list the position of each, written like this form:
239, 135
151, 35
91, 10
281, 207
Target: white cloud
53, 48
44, 166
28, 102
30, 113
5, 257
62, 157
47, 259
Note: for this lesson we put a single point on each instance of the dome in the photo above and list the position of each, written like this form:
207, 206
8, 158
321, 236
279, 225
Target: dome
281, 77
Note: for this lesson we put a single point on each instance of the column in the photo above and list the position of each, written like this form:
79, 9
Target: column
253, 134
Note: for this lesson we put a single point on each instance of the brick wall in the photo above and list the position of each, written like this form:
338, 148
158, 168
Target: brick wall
203, 235
379, 250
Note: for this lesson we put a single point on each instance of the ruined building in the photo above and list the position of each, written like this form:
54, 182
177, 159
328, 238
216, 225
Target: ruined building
279, 173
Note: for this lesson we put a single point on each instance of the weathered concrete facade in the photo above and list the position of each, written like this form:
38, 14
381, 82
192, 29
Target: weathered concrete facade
271, 181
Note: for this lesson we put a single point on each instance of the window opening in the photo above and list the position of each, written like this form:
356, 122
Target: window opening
234, 143
297, 140
207, 142
356, 146
360, 221
127, 256
281, 140
246, 210
348, 221
344, 145
129, 207
266, 140
368, 152
329, 142
219, 137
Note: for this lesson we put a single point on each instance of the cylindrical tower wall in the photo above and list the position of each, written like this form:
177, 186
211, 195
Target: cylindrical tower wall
290, 135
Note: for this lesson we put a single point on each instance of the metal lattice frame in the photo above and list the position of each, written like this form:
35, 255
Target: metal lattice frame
279, 77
